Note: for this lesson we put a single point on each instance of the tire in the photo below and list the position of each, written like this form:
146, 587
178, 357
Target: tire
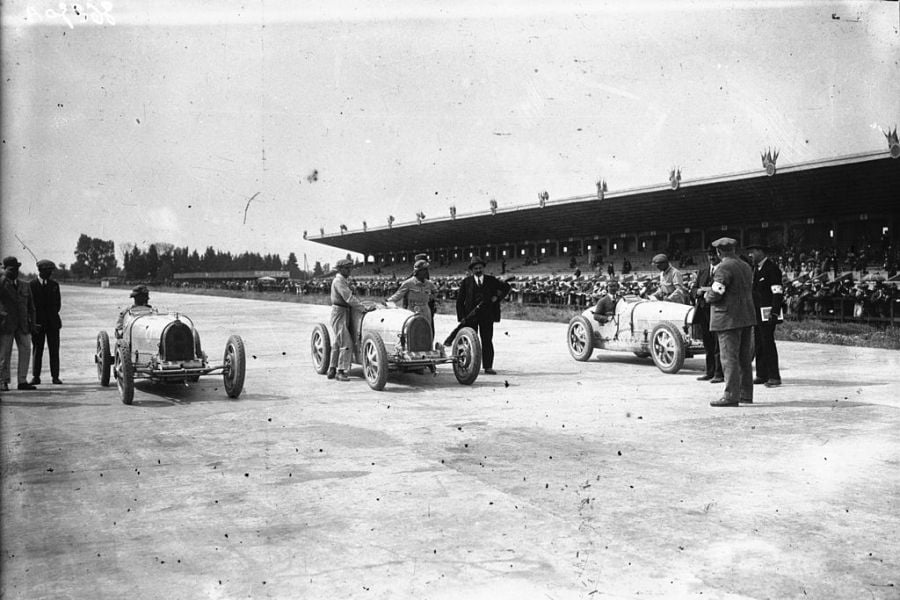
124, 375
374, 361
580, 338
235, 360
467, 351
103, 358
198, 350
642, 354
320, 348
667, 348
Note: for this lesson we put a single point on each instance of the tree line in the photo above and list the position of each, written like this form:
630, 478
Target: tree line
96, 258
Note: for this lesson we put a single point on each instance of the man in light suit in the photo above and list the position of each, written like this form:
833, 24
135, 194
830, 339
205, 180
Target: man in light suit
732, 317
486, 291
47, 303
16, 324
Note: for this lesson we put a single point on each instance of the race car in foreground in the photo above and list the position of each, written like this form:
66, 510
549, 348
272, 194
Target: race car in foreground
662, 330
395, 340
164, 348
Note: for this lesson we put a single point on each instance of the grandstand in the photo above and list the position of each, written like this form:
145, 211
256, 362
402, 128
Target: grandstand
840, 203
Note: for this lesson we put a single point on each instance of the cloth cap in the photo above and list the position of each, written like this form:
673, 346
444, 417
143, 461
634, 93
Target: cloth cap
659, 258
45, 264
11, 261
344, 262
725, 242
419, 257
420, 265
139, 290
476, 260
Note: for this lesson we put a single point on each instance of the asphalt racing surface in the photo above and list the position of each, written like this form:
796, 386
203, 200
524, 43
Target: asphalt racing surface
552, 479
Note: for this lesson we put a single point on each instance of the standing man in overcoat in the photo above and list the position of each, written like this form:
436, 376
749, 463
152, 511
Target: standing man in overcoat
47, 304
487, 291
768, 292
701, 285
732, 318
16, 324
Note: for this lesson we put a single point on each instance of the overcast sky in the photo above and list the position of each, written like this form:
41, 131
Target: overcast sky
159, 124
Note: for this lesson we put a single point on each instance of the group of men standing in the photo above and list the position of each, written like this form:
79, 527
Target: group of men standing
29, 317
743, 305
477, 305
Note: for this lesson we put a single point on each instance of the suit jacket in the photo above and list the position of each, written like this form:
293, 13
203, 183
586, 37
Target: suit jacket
47, 303
470, 295
767, 287
16, 306
704, 279
731, 296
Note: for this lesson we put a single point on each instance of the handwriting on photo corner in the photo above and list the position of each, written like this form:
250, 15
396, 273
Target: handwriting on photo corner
73, 14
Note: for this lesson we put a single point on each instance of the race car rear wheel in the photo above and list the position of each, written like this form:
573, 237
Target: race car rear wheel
235, 360
103, 358
467, 352
580, 338
374, 361
124, 375
320, 348
667, 348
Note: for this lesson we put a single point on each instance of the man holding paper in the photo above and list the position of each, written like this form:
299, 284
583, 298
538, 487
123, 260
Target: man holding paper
768, 297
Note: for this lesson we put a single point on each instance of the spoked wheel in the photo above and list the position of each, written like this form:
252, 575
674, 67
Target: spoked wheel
667, 348
235, 361
467, 352
374, 361
580, 338
320, 348
124, 375
103, 358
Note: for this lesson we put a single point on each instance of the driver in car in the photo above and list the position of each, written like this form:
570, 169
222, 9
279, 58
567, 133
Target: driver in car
606, 306
140, 307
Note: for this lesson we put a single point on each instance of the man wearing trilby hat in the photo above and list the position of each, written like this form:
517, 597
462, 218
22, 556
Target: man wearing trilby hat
16, 324
768, 298
486, 291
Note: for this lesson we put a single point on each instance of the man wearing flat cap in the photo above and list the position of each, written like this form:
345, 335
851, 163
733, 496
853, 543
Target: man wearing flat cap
16, 324
768, 298
141, 306
732, 318
343, 301
417, 293
47, 304
671, 286
486, 291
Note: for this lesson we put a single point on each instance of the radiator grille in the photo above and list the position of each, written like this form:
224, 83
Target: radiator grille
418, 335
178, 342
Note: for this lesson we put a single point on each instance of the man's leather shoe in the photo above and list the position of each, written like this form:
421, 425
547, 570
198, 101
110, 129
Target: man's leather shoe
57, 381
746, 400
704, 378
341, 376
773, 383
717, 380
25, 386
35, 381
331, 373
490, 372
759, 380
723, 402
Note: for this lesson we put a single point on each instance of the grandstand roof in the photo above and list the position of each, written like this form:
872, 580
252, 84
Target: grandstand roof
849, 185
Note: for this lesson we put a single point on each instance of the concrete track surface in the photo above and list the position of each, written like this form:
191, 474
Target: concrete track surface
553, 479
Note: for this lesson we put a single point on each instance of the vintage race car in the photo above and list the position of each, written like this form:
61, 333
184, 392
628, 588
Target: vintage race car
165, 347
662, 330
391, 340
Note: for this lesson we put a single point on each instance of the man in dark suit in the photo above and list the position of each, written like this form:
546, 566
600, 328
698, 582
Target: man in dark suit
47, 303
487, 291
732, 317
767, 293
702, 284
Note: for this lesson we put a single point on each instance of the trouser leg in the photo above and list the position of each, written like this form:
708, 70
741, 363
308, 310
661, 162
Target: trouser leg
766, 347
340, 317
762, 361
23, 345
6, 343
53, 349
37, 352
709, 347
486, 331
729, 343
746, 361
